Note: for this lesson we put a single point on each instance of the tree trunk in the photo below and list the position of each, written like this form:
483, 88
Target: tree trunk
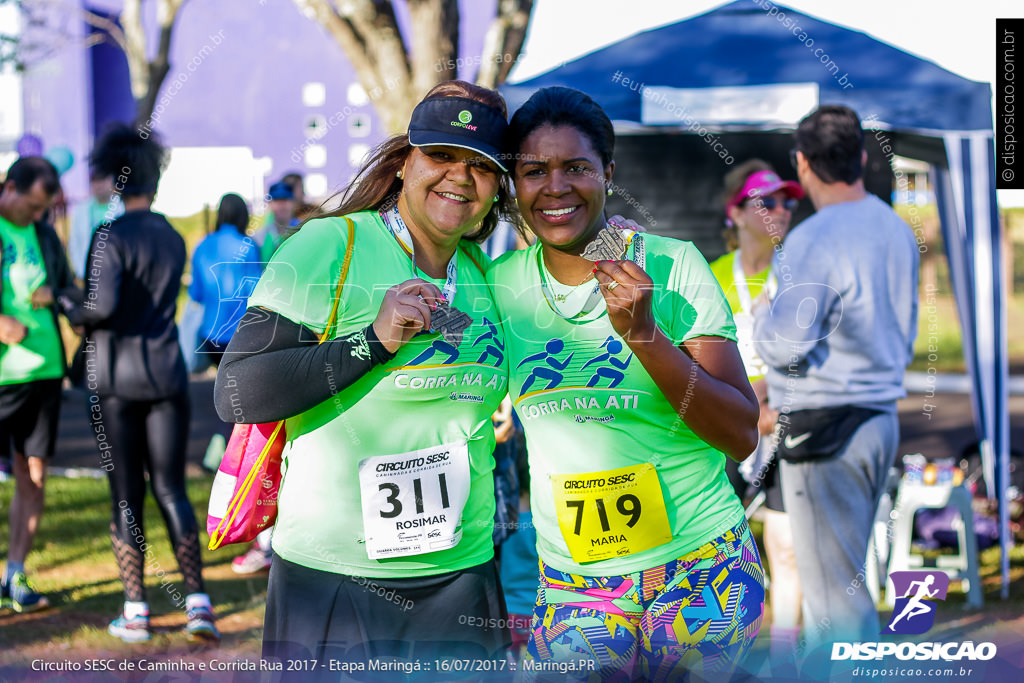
396, 78
504, 42
147, 77
435, 44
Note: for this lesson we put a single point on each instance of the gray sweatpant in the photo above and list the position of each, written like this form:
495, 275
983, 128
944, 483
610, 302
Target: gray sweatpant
831, 505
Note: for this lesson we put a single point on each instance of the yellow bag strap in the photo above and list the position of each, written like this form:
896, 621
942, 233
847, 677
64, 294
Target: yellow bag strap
333, 318
217, 538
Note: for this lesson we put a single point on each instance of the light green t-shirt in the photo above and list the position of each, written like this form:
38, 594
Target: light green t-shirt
38, 356
589, 406
432, 395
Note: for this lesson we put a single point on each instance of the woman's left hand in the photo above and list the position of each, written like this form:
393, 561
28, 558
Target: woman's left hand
627, 291
42, 297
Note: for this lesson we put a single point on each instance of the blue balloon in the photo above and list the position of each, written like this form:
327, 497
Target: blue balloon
29, 146
61, 157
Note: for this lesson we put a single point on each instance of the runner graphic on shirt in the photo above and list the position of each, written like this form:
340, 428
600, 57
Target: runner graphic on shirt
613, 346
553, 373
495, 346
438, 346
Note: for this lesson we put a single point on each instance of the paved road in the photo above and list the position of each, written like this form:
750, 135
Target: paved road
940, 426
76, 446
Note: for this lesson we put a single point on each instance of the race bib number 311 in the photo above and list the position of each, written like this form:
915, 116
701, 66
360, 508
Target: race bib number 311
611, 513
412, 502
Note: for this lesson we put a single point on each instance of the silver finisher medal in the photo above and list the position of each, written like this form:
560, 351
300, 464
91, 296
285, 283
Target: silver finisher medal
609, 245
450, 322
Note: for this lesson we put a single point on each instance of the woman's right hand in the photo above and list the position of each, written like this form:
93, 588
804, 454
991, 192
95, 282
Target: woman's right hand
405, 311
11, 330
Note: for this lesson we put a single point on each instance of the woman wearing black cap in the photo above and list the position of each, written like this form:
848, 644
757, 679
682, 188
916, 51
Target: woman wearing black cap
383, 534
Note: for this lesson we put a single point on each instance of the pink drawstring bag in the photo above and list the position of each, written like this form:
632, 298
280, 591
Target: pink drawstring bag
243, 500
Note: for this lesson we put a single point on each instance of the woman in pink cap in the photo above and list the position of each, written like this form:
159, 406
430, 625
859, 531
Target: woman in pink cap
759, 206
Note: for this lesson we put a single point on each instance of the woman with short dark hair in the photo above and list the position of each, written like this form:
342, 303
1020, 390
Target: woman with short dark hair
225, 268
632, 395
139, 401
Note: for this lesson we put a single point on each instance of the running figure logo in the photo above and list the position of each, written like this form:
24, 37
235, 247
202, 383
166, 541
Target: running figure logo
552, 373
916, 592
614, 370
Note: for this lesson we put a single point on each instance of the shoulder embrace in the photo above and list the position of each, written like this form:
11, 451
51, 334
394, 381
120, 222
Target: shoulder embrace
480, 259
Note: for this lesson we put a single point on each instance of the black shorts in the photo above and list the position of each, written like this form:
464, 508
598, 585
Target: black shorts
214, 350
769, 481
772, 484
328, 617
29, 415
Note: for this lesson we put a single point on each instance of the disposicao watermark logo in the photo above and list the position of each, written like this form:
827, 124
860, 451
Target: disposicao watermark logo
916, 592
914, 614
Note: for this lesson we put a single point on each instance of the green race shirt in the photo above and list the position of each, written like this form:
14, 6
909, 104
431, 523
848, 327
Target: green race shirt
39, 355
589, 406
432, 394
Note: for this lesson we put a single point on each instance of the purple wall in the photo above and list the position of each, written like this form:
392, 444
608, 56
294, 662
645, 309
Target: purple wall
237, 74
57, 102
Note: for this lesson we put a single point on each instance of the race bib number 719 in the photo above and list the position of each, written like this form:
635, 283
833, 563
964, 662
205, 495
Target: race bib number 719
611, 513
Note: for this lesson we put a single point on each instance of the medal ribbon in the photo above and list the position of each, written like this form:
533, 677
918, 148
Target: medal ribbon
398, 229
742, 289
639, 258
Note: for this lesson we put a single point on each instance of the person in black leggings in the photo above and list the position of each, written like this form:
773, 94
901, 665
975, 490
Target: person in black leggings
134, 370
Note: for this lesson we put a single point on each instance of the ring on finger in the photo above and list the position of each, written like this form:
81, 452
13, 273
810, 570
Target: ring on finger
612, 285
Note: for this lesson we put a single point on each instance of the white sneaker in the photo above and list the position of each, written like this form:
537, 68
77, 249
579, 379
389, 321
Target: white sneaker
251, 562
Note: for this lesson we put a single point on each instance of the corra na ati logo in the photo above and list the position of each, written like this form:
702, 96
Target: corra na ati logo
916, 593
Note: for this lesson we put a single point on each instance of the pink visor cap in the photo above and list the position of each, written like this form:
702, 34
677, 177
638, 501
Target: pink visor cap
764, 183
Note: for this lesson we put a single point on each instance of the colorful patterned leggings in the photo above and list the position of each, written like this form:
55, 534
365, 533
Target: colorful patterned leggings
698, 613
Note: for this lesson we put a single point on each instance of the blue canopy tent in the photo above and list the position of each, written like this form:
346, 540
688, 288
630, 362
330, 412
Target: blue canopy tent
755, 66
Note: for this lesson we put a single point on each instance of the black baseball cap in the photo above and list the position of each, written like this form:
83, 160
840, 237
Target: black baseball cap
459, 122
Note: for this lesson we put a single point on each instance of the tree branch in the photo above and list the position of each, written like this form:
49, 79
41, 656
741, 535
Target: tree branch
504, 41
435, 43
396, 73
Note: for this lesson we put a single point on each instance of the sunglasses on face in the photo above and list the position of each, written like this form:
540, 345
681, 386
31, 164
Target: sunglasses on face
771, 203
792, 158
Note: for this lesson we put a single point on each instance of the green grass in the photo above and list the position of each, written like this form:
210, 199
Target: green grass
939, 342
73, 564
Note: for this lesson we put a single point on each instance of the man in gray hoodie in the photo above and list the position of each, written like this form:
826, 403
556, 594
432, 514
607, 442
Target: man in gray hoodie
838, 336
